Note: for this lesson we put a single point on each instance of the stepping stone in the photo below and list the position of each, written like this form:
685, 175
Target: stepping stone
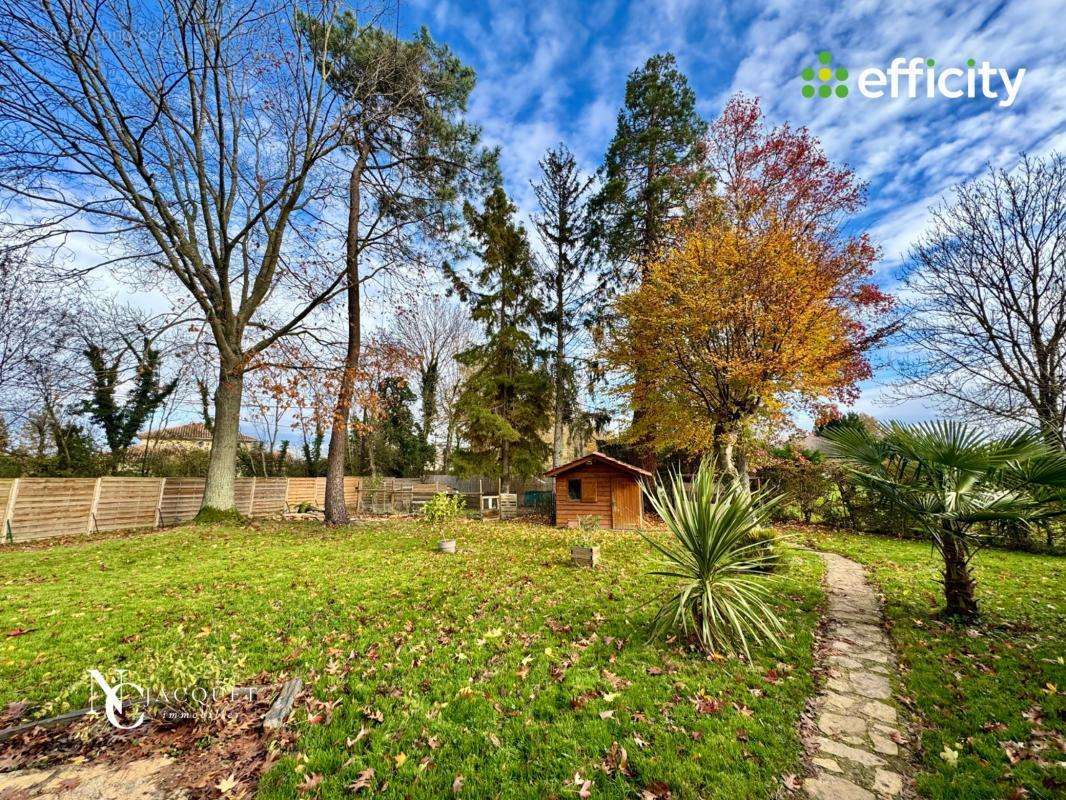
888, 784
826, 764
882, 744
878, 710
835, 724
844, 751
831, 787
840, 702
870, 684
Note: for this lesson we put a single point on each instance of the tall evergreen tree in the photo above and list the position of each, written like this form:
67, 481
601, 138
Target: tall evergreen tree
564, 226
502, 409
121, 421
413, 156
651, 172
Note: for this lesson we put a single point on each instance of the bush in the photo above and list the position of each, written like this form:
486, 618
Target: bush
720, 596
443, 508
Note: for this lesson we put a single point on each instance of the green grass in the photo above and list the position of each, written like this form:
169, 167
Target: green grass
982, 690
502, 664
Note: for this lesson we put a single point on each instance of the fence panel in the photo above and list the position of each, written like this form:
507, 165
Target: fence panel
351, 493
52, 507
7, 487
126, 503
306, 490
181, 500
269, 496
242, 495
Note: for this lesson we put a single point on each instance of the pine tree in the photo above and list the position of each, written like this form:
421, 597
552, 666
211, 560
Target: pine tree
502, 409
413, 156
564, 226
651, 172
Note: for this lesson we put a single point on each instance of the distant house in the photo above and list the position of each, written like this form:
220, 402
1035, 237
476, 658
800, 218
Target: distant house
812, 442
596, 485
191, 436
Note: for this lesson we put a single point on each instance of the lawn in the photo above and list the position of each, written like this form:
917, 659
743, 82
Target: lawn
990, 692
502, 671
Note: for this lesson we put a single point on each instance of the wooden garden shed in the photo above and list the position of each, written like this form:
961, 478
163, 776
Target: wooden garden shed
597, 485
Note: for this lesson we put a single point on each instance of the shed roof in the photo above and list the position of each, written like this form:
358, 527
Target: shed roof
590, 458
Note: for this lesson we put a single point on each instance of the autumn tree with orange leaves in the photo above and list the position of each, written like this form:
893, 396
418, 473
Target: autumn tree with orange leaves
765, 303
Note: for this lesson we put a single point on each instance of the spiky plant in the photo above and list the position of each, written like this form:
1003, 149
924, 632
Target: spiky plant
950, 480
721, 592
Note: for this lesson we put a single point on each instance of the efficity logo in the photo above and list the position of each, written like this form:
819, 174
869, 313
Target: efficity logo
912, 78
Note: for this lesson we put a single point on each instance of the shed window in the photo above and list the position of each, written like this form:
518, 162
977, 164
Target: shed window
573, 488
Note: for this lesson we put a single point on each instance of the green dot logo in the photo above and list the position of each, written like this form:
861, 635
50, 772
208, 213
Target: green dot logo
819, 81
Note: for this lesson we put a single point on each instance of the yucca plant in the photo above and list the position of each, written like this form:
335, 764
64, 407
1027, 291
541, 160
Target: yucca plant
721, 593
950, 480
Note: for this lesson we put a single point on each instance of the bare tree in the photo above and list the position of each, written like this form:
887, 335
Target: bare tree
190, 132
988, 322
26, 309
433, 330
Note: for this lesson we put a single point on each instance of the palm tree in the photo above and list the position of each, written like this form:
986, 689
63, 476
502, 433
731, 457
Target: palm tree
951, 482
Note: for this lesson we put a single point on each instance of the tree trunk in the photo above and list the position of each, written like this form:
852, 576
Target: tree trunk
429, 379
336, 509
221, 469
557, 431
958, 582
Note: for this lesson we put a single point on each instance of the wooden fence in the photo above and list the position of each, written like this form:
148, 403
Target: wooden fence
39, 508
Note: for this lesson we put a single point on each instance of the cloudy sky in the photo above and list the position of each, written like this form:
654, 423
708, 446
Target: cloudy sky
551, 71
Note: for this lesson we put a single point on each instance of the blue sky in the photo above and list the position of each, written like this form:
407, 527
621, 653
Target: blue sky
553, 71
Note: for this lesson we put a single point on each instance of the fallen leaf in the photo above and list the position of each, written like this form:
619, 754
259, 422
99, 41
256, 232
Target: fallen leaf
227, 784
364, 781
400, 759
949, 755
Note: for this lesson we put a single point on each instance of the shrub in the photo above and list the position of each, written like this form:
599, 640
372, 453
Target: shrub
443, 508
720, 594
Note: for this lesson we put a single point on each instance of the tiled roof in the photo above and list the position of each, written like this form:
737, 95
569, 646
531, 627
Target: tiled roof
189, 432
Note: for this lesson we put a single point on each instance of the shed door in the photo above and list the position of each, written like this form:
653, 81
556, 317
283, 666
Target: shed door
625, 503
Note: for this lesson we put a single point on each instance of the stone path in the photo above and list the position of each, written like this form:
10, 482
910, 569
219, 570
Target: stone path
137, 780
858, 750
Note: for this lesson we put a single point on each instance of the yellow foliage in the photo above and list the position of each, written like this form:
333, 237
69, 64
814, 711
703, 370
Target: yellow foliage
732, 326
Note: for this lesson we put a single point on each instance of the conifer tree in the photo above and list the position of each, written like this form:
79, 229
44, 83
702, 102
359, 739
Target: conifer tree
651, 172
564, 226
502, 409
